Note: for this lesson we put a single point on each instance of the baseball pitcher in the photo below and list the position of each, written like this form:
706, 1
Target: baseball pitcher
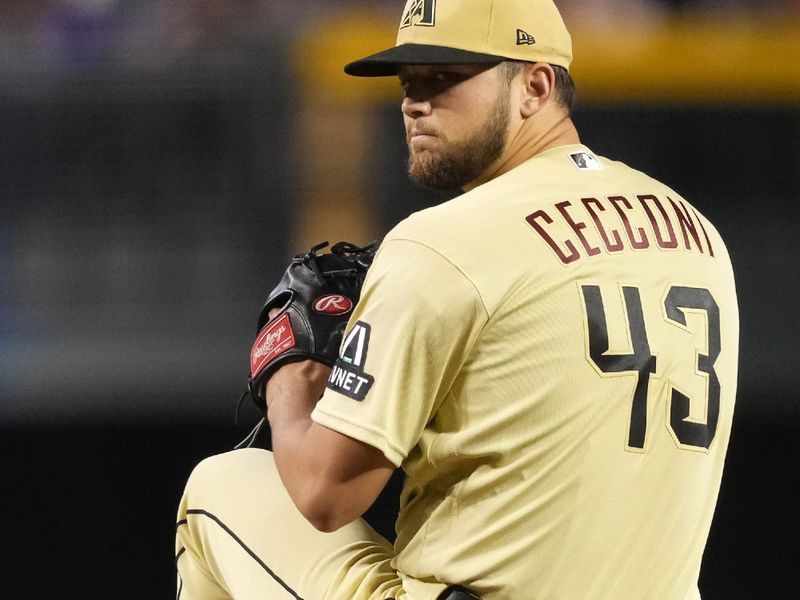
550, 357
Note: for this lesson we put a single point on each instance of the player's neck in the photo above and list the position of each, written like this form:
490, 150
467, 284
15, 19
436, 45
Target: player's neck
527, 143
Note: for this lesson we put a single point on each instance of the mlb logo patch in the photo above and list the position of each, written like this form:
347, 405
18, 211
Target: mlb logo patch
585, 161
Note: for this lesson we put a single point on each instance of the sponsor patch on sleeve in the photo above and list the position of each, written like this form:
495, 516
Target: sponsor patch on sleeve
348, 376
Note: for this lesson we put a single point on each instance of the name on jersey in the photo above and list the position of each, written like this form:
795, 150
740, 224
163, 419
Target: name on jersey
592, 226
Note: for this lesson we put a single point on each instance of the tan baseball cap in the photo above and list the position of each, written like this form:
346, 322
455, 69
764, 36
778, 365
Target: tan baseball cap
444, 32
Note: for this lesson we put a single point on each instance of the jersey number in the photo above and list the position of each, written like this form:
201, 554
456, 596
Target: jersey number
642, 362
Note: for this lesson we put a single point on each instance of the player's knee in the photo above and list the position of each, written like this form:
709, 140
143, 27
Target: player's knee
225, 473
230, 462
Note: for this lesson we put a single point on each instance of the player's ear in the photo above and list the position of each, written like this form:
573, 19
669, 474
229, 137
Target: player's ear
539, 80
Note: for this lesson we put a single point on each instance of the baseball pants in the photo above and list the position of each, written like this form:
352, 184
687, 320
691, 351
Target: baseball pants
239, 536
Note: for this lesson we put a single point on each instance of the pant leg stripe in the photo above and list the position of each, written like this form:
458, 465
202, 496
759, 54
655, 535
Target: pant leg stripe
226, 529
180, 581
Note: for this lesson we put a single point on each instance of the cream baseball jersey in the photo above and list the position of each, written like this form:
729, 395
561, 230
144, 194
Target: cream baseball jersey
552, 359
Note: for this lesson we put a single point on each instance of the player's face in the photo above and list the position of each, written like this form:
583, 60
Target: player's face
456, 119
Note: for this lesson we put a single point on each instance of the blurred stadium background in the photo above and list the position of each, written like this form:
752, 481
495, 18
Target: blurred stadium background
160, 161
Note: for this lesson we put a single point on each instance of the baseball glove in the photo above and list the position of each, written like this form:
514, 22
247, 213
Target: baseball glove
315, 297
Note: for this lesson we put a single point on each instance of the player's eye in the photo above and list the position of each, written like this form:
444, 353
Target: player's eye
446, 79
432, 83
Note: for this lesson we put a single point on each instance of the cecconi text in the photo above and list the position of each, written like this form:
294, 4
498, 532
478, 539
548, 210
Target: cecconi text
586, 228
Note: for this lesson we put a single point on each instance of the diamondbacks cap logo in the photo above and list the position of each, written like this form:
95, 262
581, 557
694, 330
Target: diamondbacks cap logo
277, 337
421, 13
524, 38
333, 304
585, 161
347, 375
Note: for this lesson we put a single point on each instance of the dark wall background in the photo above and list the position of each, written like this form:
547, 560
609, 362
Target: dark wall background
144, 216
88, 509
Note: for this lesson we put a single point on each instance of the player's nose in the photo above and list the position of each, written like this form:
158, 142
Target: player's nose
414, 108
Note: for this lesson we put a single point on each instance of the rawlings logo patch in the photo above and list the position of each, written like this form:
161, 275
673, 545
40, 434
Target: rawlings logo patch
277, 337
347, 376
333, 304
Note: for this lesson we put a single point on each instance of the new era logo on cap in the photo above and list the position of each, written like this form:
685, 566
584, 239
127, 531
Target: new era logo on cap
523, 37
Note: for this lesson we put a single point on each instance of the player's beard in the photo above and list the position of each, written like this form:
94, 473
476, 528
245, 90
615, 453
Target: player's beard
458, 163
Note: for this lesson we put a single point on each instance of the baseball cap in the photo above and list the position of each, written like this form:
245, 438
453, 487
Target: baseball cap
444, 32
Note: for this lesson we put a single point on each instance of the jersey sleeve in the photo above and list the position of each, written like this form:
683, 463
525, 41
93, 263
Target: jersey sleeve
418, 317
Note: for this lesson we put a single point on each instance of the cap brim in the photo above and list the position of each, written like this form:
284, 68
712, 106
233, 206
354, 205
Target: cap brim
387, 62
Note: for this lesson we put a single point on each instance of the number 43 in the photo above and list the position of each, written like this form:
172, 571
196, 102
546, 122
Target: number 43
642, 362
